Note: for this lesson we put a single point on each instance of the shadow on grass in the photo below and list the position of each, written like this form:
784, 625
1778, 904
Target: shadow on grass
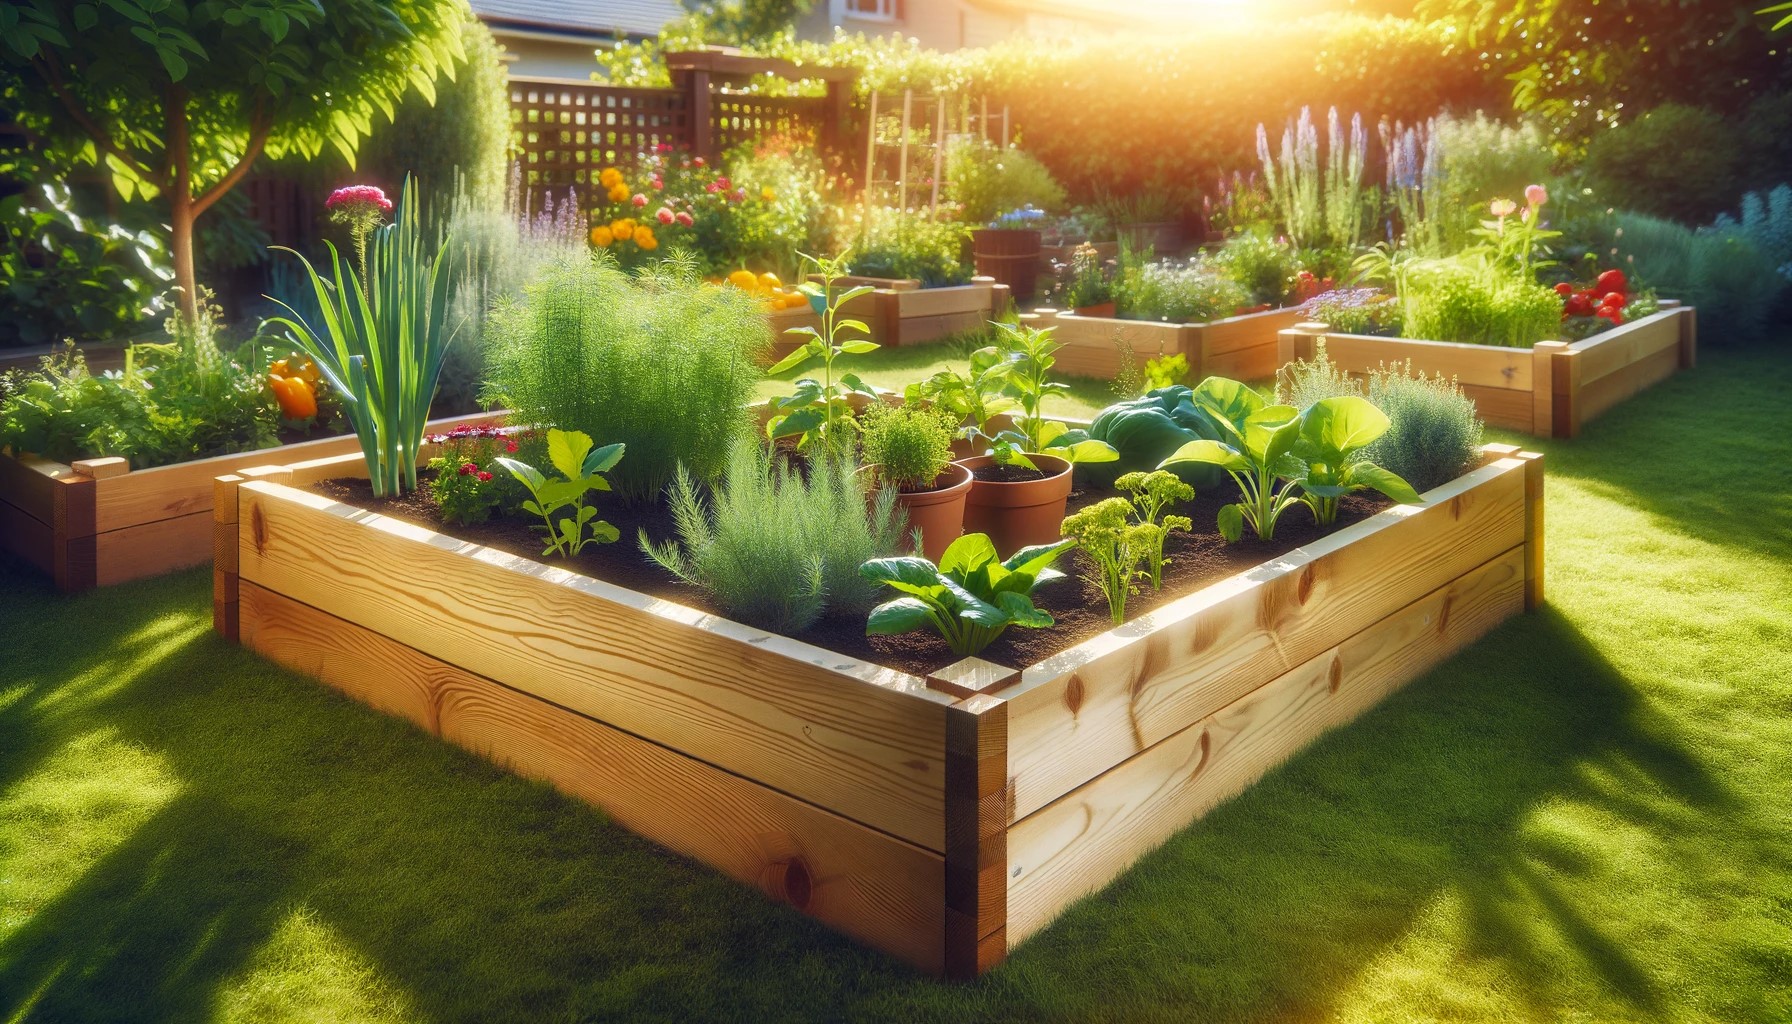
483, 897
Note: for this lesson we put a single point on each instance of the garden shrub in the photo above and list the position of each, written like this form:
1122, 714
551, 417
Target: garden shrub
794, 189
1675, 161
1434, 432
461, 142
1176, 292
910, 444
1262, 265
1718, 270
1465, 299
66, 276
662, 364
905, 245
776, 547
1767, 222
988, 181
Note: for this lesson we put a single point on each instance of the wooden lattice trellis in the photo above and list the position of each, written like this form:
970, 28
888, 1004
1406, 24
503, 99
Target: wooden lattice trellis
567, 132
735, 119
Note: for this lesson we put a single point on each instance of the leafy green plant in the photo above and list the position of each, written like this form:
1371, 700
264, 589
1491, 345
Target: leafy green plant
1305, 381
1464, 298
910, 445
775, 548
1262, 265
1116, 546
987, 180
381, 346
62, 275
1088, 284
903, 245
1151, 496
1333, 433
970, 598
975, 397
662, 363
1165, 371
819, 411
582, 469
1145, 431
1434, 430
464, 487
1192, 291
1028, 351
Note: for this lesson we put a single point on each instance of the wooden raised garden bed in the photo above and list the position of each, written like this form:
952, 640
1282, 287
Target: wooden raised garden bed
97, 522
901, 312
1239, 347
1549, 390
941, 819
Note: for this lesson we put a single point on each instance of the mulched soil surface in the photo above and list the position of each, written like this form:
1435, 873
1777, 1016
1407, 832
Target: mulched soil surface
1197, 559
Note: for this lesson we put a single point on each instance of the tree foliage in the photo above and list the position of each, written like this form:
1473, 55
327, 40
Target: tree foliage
177, 98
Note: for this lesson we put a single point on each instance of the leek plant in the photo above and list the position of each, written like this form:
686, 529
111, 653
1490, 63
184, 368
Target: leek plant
381, 342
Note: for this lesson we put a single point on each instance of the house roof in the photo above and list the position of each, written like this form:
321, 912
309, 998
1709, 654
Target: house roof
592, 18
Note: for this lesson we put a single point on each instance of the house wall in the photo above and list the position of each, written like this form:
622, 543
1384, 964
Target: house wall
547, 58
938, 24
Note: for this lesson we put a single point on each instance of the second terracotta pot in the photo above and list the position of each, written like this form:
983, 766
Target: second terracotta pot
939, 512
1019, 513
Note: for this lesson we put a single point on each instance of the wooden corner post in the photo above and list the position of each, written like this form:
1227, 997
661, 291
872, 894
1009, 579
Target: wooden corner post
1565, 392
978, 803
225, 557
1533, 528
1300, 342
1543, 385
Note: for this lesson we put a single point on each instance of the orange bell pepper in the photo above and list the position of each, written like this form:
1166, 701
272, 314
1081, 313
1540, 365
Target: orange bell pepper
297, 400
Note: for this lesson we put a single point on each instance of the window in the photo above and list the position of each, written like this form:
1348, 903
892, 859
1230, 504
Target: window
867, 10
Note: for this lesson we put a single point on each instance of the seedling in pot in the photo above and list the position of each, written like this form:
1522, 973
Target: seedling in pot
820, 411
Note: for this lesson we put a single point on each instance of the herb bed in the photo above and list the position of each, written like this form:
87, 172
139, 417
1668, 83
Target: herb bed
940, 817
1550, 390
1240, 347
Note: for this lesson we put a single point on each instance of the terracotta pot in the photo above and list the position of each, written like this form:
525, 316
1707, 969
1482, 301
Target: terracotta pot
1106, 309
938, 512
1018, 514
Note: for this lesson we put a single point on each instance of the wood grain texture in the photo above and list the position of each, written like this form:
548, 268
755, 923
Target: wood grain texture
137, 552
976, 836
1087, 709
1613, 350
1082, 841
1093, 345
922, 330
1487, 366
27, 538
1249, 332
1502, 407
1566, 367
29, 483
885, 892
1543, 390
858, 739
927, 302
1597, 397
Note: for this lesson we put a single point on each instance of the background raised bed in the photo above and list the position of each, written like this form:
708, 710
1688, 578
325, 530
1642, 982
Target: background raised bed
1549, 390
1239, 347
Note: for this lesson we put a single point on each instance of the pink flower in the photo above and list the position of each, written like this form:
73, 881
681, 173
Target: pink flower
740, 195
722, 182
664, 147
1503, 208
685, 219
468, 469
484, 477
1536, 195
370, 194
639, 200
663, 215
700, 162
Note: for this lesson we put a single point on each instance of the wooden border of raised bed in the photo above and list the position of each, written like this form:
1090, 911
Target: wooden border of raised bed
1550, 390
942, 820
901, 312
1240, 347
96, 522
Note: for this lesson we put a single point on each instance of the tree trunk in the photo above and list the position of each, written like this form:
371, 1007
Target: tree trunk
181, 213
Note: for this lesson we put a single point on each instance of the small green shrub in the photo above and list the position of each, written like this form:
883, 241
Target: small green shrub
1767, 223
911, 445
1305, 381
776, 549
1674, 161
902, 245
1718, 270
1468, 300
1434, 432
1356, 311
988, 181
1178, 293
662, 364
1264, 266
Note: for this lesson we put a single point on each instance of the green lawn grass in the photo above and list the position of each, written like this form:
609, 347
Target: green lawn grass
1585, 817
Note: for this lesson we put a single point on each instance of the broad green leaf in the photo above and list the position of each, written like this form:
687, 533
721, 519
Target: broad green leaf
1368, 474
1033, 560
1049, 431
529, 475
967, 553
1231, 522
567, 450
849, 324
1212, 452
1343, 424
1022, 612
1081, 452
796, 424
601, 460
973, 608
902, 615
604, 532
855, 348
794, 359
1227, 400
909, 569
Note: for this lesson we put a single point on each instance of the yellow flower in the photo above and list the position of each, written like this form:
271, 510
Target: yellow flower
610, 178
623, 229
602, 237
767, 194
619, 193
644, 238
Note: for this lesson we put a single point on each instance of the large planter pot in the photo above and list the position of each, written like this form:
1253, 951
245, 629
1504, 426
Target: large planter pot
1016, 514
937, 512
1161, 237
1011, 256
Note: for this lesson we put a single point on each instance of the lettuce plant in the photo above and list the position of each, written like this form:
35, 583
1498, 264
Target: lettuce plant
970, 597
582, 468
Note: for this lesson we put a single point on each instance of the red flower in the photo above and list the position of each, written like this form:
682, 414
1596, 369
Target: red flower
663, 215
685, 219
639, 200
484, 477
509, 444
723, 182
468, 469
1613, 281
1564, 289
700, 162
359, 194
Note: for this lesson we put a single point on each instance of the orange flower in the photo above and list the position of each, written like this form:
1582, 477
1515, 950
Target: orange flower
644, 238
610, 178
619, 193
602, 237
623, 229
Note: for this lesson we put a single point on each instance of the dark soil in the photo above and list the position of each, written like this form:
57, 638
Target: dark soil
1197, 559
1004, 474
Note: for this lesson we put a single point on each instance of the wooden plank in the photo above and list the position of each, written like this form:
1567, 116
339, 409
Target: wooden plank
1485, 366
29, 483
859, 739
1079, 713
924, 329
1245, 333
1598, 396
74, 558
968, 298
1246, 365
27, 538
101, 469
226, 604
879, 889
1689, 338
165, 492
151, 549
1503, 407
1543, 400
976, 892
1533, 529
1567, 418
1079, 843
1611, 351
